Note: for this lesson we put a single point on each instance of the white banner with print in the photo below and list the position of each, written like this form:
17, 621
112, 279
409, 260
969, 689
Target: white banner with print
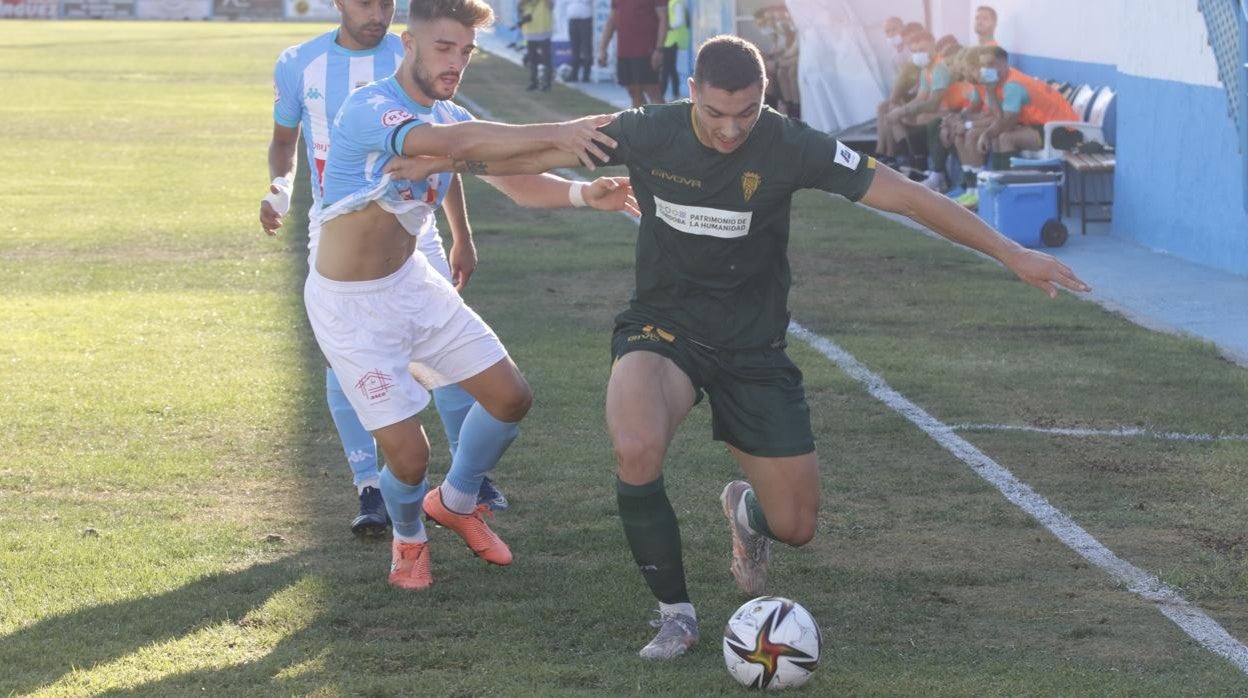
173, 9
313, 9
97, 9
700, 220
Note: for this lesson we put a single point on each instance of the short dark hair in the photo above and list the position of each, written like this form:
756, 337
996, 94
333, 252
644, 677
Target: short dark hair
997, 53
924, 35
912, 28
947, 44
729, 63
470, 13
989, 10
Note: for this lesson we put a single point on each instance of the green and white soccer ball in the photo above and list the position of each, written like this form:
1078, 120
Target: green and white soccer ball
772, 643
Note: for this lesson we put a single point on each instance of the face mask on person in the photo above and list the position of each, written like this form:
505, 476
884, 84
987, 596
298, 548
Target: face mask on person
988, 75
921, 59
895, 41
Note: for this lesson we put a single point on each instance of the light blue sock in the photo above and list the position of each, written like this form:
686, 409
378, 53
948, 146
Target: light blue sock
453, 403
357, 442
403, 504
483, 440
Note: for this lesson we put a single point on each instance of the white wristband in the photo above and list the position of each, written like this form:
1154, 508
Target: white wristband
281, 200
576, 194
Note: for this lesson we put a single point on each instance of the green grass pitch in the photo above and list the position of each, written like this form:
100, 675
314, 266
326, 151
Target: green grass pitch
174, 503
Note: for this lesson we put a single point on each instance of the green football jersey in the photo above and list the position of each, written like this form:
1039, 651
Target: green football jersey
712, 250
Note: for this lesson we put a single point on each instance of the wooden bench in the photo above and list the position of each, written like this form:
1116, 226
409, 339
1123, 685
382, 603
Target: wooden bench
1077, 168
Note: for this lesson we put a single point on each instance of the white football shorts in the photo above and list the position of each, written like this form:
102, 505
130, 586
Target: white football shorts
371, 331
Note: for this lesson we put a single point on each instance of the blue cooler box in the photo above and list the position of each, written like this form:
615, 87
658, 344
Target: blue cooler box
1019, 202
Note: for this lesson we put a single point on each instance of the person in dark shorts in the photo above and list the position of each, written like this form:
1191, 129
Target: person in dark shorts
642, 29
714, 177
676, 42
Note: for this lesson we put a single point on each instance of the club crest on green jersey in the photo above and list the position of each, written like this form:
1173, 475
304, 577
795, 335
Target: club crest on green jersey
749, 183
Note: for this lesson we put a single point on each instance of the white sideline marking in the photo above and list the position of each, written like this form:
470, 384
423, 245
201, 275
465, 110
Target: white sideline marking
1119, 431
1193, 621
1172, 605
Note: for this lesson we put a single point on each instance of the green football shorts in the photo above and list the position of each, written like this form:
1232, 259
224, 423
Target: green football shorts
757, 400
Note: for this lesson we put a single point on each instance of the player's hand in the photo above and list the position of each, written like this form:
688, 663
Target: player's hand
982, 144
602, 58
656, 58
895, 113
463, 260
582, 138
417, 168
270, 220
612, 194
1044, 272
274, 205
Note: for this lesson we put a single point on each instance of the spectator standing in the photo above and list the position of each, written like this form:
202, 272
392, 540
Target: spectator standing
786, 65
677, 40
642, 27
538, 17
986, 25
580, 14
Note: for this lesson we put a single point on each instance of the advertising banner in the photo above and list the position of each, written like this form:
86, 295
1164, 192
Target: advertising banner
173, 9
97, 9
29, 9
248, 9
314, 9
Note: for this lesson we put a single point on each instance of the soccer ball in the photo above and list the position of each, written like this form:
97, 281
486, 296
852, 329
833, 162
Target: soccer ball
771, 643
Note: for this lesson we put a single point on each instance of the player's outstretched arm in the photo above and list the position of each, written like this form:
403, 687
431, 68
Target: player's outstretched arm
537, 162
520, 179
489, 141
550, 191
890, 191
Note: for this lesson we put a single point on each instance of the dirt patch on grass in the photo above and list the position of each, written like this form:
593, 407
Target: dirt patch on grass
1233, 545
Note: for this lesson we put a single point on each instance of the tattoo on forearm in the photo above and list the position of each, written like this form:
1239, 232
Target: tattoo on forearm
475, 167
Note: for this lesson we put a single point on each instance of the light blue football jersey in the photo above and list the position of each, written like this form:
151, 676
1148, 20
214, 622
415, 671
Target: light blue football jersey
368, 132
313, 79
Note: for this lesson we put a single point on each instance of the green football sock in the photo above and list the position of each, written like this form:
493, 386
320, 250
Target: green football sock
654, 537
758, 520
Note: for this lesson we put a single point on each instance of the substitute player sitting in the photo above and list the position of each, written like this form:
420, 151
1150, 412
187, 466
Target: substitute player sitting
377, 305
714, 178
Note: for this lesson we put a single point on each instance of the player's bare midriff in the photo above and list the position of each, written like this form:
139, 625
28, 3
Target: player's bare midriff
363, 245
